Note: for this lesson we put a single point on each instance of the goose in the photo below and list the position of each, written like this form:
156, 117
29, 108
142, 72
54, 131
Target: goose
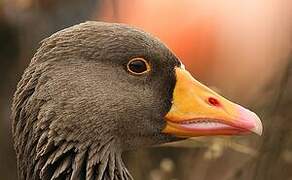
96, 89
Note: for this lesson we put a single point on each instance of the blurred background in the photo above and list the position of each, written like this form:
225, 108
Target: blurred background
240, 48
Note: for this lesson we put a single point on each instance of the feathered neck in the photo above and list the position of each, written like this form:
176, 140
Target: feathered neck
45, 153
65, 161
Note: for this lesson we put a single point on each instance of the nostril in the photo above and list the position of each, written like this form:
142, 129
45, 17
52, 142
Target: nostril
213, 101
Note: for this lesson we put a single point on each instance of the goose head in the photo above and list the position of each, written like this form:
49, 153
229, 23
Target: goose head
97, 89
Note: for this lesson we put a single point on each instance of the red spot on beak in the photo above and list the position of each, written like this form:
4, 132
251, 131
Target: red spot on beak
214, 102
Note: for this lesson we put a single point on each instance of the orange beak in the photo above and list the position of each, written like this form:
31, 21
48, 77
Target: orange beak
198, 111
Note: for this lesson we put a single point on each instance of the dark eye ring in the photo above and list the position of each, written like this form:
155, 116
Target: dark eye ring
138, 66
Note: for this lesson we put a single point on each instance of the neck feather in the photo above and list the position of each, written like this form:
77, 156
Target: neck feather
44, 153
65, 161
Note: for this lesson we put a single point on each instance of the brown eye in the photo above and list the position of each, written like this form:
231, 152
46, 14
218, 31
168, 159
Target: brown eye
138, 66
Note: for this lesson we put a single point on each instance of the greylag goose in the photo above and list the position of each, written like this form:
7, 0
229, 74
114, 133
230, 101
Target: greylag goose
96, 89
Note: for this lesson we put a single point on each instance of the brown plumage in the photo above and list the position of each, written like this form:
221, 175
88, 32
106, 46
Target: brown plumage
75, 101
96, 89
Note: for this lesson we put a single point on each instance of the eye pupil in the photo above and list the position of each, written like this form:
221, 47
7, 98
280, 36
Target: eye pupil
138, 66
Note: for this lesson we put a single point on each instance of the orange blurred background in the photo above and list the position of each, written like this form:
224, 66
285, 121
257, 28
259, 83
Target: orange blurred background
223, 43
